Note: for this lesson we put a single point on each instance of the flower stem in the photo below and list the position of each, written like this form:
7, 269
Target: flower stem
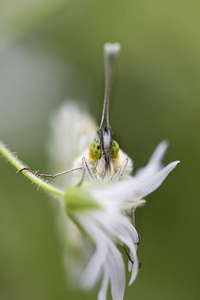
20, 165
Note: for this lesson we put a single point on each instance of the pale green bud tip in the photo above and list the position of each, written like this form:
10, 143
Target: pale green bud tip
78, 198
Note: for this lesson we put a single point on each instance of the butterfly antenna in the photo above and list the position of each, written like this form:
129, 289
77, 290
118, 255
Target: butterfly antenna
110, 55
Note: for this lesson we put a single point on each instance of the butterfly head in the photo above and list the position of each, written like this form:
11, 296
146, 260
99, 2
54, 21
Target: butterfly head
104, 147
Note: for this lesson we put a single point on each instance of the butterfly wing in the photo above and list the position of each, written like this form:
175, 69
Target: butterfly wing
72, 130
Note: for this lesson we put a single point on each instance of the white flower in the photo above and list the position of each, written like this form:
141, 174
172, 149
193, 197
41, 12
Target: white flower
108, 225
98, 209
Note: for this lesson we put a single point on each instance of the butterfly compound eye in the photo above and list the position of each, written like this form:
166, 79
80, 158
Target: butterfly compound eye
115, 149
95, 149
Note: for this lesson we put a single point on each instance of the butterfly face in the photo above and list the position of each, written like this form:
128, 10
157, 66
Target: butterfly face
105, 148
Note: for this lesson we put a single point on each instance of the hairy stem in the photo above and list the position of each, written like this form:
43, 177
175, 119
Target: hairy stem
20, 165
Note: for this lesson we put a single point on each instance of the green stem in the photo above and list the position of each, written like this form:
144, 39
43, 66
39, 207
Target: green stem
19, 165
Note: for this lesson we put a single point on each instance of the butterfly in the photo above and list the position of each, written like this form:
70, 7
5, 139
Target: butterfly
103, 160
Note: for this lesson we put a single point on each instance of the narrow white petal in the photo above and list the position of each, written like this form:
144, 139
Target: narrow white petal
117, 274
129, 236
93, 270
107, 260
154, 164
102, 295
153, 183
159, 152
135, 266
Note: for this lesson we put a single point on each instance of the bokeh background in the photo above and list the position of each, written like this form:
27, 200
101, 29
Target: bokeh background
51, 51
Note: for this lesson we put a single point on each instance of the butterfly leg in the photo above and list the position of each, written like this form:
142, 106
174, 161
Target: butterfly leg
120, 172
85, 168
128, 255
48, 175
117, 177
133, 222
136, 243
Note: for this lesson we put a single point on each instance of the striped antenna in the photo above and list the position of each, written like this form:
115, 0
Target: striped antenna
110, 54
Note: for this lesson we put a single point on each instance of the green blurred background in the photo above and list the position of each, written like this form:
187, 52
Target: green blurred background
51, 51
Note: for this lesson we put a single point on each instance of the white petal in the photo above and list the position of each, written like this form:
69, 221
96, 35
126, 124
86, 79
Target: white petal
113, 271
117, 274
132, 189
159, 152
107, 260
154, 165
129, 236
153, 183
102, 295
135, 268
93, 270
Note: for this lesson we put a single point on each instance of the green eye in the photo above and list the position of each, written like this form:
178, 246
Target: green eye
115, 149
95, 149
